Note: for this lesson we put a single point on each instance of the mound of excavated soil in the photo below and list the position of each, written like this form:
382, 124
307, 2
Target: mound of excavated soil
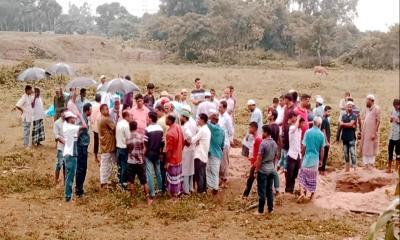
362, 190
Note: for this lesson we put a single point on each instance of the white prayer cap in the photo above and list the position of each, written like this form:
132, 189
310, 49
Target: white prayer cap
164, 94
251, 102
212, 112
320, 100
350, 103
207, 94
371, 97
185, 113
187, 108
69, 114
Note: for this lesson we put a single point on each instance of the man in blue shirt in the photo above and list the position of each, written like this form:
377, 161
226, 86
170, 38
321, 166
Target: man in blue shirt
216, 152
313, 152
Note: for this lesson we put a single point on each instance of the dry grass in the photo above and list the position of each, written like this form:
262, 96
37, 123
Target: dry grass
20, 182
26, 176
263, 85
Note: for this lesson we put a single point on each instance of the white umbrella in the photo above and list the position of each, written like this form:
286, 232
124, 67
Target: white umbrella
32, 74
61, 69
119, 85
81, 82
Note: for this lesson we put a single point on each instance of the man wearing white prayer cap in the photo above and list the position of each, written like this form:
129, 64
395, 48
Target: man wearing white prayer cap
369, 143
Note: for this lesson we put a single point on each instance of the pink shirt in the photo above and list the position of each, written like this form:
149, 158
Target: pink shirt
140, 116
304, 114
74, 109
94, 118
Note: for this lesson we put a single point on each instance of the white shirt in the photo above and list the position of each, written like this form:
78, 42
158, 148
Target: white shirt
230, 105
122, 133
225, 121
189, 131
281, 113
70, 132
58, 133
205, 107
202, 140
105, 96
216, 103
294, 142
38, 111
257, 116
25, 103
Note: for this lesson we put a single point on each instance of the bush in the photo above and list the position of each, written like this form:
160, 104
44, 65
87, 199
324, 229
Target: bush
311, 61
9, 74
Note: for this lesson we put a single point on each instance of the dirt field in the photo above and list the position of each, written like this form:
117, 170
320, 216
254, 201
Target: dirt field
32, 208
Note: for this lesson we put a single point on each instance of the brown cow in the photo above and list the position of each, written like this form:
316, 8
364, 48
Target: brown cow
320, 70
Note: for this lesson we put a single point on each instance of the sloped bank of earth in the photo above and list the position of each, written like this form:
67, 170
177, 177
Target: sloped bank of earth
70, 48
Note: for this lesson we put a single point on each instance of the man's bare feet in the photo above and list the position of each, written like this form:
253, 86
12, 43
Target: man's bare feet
312, 197
300, 199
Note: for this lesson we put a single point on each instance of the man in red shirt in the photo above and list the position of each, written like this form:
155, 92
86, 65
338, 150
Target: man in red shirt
174, 148
303, 112
258, 139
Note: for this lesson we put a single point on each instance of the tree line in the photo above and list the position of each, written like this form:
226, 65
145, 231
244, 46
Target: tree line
314, 32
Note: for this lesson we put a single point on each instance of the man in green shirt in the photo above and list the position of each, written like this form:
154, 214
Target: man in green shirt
216, 152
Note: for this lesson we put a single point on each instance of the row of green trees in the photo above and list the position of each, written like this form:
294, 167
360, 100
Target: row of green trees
311, 31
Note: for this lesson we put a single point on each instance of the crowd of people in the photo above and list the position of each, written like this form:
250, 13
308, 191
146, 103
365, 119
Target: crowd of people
181, 144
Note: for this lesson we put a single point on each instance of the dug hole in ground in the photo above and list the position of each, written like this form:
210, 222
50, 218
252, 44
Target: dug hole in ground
363, 191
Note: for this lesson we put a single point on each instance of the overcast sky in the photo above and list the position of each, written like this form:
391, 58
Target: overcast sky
372, 14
